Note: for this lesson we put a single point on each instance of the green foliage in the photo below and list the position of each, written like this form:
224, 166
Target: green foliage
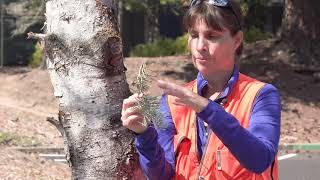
244, 8
254, 34
12, 139
36, 57
148, 6
180, 44
5, 138
148, 105
34, 4
161, 47
164, 2
134, 5
254, 12
152, 8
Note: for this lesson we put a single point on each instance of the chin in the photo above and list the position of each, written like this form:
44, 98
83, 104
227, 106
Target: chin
204, 70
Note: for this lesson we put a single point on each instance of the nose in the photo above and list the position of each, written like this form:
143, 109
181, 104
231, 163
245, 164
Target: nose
201, 44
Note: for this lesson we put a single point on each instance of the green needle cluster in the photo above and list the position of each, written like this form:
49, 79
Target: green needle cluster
148, 105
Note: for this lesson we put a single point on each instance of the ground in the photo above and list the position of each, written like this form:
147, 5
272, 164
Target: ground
26, 100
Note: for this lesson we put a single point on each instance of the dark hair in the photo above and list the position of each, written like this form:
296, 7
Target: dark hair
217, 18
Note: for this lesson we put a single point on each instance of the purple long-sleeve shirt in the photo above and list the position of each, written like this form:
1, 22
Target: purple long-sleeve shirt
255, 147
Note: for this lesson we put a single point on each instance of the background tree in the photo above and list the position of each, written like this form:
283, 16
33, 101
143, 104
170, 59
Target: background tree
84, 55
151, 10
253, 12
301, 29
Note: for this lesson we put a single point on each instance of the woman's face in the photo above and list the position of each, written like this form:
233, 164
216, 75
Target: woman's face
212, 51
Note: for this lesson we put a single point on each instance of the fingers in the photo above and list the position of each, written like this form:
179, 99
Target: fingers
130, 111
130, 102
178, 102
183, 96
134, 110
131, 115
172, 89
133, 120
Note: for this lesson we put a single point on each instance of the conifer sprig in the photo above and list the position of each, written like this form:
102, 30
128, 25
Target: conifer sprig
148, 105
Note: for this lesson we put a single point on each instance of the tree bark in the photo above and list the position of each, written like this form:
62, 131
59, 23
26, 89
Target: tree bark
301, 28
84, 55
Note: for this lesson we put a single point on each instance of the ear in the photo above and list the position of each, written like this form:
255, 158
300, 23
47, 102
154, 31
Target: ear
238, 38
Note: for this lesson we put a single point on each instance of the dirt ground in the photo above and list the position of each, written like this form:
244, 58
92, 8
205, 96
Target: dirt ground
26, 99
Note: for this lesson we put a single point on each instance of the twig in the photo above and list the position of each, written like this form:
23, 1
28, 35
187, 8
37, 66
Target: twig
57, 124
37, 36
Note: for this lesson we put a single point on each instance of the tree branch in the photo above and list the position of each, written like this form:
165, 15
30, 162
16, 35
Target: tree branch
57, 124
37, 36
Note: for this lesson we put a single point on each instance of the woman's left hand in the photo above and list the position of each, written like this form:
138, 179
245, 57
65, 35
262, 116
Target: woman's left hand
184, 96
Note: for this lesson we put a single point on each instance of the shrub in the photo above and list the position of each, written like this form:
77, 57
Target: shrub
36, 57
181, 44
254, 34
161, 47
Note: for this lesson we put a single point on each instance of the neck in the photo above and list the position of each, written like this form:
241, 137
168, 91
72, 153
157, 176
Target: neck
216, 83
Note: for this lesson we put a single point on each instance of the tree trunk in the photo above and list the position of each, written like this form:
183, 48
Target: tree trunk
151, 28
84, 55
152, 20
120, 14
301, 28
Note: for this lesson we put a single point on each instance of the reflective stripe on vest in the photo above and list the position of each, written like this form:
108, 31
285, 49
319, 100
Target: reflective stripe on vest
217, 161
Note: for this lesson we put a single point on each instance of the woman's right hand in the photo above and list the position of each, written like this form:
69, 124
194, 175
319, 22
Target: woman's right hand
131, 116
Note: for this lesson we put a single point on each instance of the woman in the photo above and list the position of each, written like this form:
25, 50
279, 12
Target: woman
223, 125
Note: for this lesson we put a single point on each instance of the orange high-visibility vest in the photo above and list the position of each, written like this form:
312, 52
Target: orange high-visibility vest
217, 162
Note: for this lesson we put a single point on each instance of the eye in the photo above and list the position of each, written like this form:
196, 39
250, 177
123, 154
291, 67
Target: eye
213, 37
193, 35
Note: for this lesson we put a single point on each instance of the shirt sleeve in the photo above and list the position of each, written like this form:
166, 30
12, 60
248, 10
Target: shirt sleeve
256, 146
155, 147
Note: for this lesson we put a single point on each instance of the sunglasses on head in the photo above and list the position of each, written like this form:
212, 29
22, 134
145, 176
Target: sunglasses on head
221, 4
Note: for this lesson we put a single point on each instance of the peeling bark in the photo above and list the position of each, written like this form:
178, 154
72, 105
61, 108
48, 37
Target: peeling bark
84, 56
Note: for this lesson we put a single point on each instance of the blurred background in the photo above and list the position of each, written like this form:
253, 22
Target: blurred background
282, 47
146, 24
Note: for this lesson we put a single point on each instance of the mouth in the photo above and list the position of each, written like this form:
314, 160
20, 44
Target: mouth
201, 59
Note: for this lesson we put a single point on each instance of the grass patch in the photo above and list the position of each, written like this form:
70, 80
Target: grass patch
5, 138
10, 139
